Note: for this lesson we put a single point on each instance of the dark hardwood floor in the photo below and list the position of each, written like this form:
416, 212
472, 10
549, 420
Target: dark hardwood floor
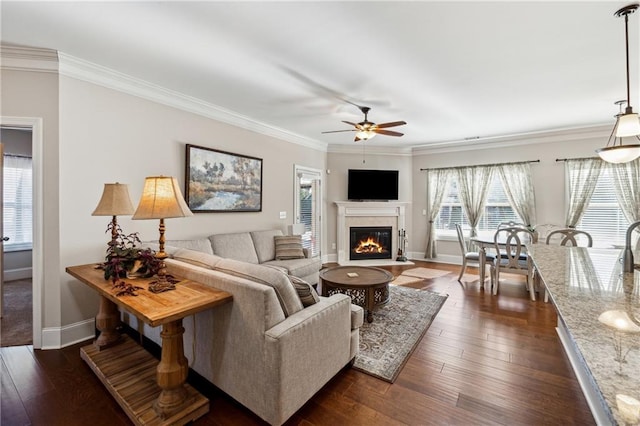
485, 360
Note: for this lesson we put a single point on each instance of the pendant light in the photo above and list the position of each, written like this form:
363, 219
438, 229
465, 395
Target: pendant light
627, 123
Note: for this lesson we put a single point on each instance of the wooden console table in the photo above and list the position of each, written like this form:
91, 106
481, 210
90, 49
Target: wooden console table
126, 369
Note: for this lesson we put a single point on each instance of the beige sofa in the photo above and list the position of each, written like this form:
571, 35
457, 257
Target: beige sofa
264, 348
256, 247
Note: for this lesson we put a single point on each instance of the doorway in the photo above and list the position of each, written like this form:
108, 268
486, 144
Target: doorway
308, 207
31, 129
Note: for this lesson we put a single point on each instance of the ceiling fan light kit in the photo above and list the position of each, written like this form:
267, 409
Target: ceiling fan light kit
627, 123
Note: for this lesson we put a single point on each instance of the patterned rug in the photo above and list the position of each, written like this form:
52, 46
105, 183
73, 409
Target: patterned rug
424, 273
397, 327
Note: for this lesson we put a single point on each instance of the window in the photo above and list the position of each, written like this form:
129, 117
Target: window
603, 218
17, 203
497, 209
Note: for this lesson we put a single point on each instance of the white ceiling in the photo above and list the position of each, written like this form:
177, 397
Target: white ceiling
451, 70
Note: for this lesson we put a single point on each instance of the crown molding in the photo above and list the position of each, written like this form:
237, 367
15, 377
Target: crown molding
23, 58
370, 149
599, 131
80, 69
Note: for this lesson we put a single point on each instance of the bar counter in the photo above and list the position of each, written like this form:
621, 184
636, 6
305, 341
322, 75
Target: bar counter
595, 301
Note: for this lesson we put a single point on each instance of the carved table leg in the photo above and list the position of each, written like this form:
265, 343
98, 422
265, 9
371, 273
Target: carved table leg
172, 371
369, 303
107, 320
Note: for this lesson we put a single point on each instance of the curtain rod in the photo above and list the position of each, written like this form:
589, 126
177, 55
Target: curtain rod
6, 154
579, 158
480, 165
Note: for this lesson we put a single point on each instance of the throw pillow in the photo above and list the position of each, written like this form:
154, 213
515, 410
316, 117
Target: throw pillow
307, 294
288, 247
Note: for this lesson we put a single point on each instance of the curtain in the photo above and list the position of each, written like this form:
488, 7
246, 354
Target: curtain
518, 186
473, 186
582, 177
626, 182
437, 184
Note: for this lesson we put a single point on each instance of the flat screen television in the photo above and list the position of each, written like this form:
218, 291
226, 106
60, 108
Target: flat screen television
372, 185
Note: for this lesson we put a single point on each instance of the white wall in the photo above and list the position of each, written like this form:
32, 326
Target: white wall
109, 136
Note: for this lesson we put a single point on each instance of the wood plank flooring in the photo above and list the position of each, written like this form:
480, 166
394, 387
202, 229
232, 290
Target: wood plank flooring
485, 360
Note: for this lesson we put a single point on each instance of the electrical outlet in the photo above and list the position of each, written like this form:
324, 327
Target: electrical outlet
333, 246
424, 212
283, 215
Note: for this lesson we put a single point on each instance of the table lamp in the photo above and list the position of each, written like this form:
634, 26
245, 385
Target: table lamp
115, 201
161, 199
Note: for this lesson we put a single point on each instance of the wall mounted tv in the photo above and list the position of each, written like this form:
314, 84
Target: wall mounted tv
372, 185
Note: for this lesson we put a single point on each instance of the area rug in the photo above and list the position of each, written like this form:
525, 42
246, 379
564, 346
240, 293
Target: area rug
397, 327
424, 273
16, 323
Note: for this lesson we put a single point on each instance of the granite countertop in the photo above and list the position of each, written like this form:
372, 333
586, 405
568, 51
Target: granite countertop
584, 283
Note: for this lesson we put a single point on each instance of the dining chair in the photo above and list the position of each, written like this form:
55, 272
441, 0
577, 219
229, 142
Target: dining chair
511, 224
473, 256
567, 237
513, 259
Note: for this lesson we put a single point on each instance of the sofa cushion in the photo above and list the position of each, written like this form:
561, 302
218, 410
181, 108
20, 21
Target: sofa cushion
288, 247
299, 267
170, 246
264, 245
238, 246
307, 294
196, 258
287, 296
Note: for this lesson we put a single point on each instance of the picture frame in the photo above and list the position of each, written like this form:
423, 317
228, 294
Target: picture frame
221, 181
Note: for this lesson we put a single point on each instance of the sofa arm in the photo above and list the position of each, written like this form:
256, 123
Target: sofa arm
307, 349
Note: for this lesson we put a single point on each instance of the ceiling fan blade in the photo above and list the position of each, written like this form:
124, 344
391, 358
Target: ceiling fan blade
388, 132
350, 123
338, 131
392, 124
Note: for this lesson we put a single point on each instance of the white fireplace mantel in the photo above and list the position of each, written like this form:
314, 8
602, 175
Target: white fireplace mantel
367, 213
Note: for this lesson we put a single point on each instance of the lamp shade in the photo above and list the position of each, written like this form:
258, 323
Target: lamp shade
628, 125
619, 153
115, 201
161, 199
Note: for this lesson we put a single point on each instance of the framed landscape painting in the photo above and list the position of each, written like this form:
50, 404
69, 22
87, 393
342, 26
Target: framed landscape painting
219, 181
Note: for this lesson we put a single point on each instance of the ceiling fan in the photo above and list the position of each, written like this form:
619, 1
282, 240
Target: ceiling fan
367, 129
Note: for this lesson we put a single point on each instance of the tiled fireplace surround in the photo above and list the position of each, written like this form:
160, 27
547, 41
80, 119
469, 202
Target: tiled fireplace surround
353, 213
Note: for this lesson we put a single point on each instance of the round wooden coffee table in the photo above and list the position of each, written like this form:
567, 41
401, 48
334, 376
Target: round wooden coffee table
367, 286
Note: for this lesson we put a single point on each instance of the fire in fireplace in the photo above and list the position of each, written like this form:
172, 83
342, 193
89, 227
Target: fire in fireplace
370, 242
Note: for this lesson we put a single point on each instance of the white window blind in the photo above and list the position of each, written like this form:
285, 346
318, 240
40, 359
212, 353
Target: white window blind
309, 192
603, 218
17, 203
496, 210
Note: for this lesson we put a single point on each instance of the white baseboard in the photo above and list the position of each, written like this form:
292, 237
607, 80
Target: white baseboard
17, 274
60, 337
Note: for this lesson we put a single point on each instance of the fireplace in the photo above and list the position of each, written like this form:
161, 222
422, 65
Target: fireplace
371, 242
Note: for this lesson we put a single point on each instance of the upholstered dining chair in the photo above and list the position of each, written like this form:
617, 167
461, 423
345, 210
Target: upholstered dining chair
513, 259
470, 255
567, 237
